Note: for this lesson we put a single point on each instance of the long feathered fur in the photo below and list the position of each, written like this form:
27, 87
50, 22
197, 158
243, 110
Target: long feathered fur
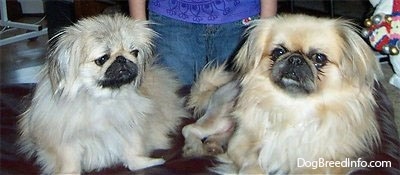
335, 122
74, 124
211, 78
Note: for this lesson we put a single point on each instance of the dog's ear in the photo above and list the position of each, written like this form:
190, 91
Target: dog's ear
146, 59
251, 52
63, 56
144, 43
53, 64
359, 63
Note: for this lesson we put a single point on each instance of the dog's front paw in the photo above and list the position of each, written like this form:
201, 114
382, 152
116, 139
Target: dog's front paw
138, 163
193, 147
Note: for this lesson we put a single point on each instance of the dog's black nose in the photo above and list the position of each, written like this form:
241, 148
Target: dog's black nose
121, 71
120, 59
296, 60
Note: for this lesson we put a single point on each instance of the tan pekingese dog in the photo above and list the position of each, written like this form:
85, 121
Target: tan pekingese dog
306, 93
101, 100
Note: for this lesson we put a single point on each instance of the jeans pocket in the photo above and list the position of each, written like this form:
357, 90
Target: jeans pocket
247, 21
154, 17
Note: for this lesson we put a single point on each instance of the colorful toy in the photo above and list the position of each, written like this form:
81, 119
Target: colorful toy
383, 32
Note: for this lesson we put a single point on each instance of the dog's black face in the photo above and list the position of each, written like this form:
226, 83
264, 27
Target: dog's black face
121, 71
296, 72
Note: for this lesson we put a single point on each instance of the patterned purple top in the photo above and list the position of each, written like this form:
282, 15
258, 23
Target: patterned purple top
206, 11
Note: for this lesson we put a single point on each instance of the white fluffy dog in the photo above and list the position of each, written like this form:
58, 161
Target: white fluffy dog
101, 100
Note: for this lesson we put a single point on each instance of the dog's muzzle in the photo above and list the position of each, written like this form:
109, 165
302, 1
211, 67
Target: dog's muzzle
120, 72
293, 74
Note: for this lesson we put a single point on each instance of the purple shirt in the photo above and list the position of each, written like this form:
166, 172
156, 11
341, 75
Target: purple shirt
206, 11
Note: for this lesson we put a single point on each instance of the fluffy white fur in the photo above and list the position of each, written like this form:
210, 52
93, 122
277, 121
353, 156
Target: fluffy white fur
75, 125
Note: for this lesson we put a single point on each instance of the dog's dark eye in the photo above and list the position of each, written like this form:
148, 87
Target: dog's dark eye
277, 52
135, 52
319, 60
100, 61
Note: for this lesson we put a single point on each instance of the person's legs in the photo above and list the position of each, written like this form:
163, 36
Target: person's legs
225, 40
59, 14
180, 47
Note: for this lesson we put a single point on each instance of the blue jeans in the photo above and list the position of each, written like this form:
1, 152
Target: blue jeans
187, 47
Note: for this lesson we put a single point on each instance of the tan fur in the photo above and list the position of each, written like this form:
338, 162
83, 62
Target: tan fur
75, 125
334, 122
212, 105
205, 85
